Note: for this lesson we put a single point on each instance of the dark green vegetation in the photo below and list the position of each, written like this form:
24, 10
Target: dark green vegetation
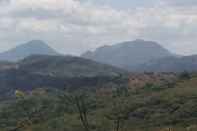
66, 66
115, 105
53, 72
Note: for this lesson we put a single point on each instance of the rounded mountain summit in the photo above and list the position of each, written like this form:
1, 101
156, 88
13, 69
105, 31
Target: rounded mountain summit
129, 54
30, 48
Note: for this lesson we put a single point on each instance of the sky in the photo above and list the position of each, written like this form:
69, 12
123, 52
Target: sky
75, 26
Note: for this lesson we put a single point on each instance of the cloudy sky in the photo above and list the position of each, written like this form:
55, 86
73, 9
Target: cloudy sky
74, 26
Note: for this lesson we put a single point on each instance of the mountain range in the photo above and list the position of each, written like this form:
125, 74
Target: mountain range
133, 56
57, 72
142, 56
47, 68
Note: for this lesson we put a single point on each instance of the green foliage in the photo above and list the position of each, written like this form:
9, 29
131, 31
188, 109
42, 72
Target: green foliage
153, 108
149, 87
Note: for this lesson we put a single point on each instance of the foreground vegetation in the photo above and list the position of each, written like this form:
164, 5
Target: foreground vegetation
170, 106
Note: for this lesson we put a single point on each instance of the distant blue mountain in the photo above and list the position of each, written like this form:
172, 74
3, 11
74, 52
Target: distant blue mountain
170, 64
128, 55
34, 47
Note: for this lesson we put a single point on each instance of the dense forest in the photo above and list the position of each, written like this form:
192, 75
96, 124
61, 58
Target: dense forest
145, 102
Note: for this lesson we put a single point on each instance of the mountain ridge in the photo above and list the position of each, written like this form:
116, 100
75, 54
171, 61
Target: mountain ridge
133, 56
57, 72
67, 66
170, 64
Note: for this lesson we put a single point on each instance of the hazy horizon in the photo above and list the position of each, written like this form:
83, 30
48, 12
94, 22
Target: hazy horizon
92, 50
75, 26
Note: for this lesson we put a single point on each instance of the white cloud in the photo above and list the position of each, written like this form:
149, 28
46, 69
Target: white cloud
72, 26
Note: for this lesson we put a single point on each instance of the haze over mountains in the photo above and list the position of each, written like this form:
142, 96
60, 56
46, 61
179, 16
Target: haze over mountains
142, 56
170, 64
38, 65
129, 54
30, 48
133, 56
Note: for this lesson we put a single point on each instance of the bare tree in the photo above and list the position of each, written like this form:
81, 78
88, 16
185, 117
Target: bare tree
119, 110
81, 102
83, 111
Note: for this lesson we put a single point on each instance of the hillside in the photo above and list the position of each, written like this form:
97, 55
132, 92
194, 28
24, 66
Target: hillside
170, 64
129, 54
56, 72
30, 48
66, 66
151, 107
